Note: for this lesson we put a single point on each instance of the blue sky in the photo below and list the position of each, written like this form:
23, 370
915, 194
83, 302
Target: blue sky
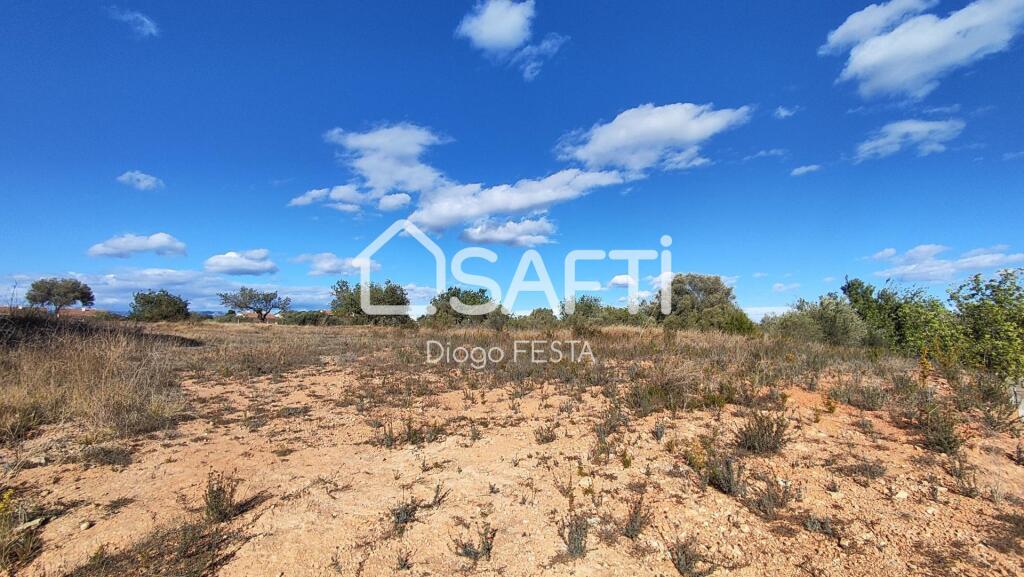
202, 146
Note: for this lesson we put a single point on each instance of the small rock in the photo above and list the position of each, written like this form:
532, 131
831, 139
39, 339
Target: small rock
85, 525
901, 496
931, 510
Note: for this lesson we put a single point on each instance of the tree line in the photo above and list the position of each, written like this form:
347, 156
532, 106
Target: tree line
979, 324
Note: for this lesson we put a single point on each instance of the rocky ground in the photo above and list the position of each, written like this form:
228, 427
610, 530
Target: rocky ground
331, 484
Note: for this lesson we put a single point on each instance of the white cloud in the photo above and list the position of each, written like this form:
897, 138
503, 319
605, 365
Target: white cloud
767, 153
140, 180
497, 25
922, 263
781, 287
324, 263
896, 50
247, 262
502, 28
393, 201
524, 232
622, 281
649, 135
782, 112
760, 274
419, 294
388, 158
885, 253
458, 203
805, 169
143, 26
928, 136
872, 21
531, 58
1013, 155
829, 279
344, 206
127, 244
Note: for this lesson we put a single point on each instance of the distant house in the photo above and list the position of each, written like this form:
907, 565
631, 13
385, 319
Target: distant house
251, 316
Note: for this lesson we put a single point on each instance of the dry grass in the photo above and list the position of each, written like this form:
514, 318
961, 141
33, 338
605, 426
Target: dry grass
112, 382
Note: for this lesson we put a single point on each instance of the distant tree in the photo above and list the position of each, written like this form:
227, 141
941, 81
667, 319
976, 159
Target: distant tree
152, 306
59, 293
831, 320
541, 318
347, 307
446, 315
259, 302
703, 302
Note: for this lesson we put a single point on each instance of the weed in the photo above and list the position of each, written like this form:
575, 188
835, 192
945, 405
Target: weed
774, 496
763, 433
637, 518
219, 502
545, 434
573, 530
479, 549
686, 558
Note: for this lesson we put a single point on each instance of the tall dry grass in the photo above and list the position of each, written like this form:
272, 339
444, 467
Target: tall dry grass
109, 380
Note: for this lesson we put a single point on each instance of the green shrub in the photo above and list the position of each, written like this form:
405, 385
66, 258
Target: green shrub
153, 306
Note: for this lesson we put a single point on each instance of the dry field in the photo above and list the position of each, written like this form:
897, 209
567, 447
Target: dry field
245, 450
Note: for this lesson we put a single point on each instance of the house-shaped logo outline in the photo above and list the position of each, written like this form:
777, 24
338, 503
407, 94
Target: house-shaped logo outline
365, 261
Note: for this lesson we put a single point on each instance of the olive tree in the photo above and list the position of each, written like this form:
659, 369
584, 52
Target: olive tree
159, 305
59, 293
259, 302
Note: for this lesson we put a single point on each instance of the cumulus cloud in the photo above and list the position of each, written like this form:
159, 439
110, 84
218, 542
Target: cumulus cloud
927, 136
388, 158
247, 262
324, 263
128, 244
923, 262
502, 29
393, 201
895, 49
140, 180
524, 232
143, 26
458, 203
805, 169
498, 25
622, 281
649, 135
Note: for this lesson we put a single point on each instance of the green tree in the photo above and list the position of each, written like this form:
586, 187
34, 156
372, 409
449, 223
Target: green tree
346, 305
151, 306
446, 315
703, 302
260, 302
59, 293
992, 315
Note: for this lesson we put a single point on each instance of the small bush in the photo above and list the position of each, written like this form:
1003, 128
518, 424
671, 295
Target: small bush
939, 427
725, 473
686, 558
573, 531
219, 501
545, 434
479, 549
404, 514
773, 497
822, 525
637, 517
764, 433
